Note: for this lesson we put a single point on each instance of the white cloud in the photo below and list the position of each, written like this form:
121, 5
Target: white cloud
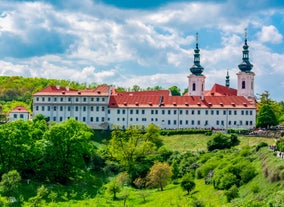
269, 34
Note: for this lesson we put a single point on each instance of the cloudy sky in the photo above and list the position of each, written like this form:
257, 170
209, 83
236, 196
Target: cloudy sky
142, 42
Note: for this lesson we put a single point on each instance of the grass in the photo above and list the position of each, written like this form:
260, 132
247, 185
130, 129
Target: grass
198, 142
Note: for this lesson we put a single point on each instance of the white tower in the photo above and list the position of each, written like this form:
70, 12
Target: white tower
246, 76
196, 80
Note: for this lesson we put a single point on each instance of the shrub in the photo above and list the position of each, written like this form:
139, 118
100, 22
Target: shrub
232, 193
260, 145
224, 180
219, 141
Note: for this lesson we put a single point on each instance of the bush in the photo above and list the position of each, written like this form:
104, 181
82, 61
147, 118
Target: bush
260, 145
219, 141
232, 193
223, 180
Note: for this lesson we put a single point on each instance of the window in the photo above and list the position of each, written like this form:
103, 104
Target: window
230, 112
42, 108
250, 113
21, 116
103, 108
61, 108
186, 112
91, 119
92, 108
97, 119
186, 122
193, 87
198, 112
69, 99
76, 108
48, 108
55, 99
15, 116
103, 99
156, 111
143, 111
152, 111
131, 111
103, 119
175, 111
192, 122
175, 122
192, 112
97, 99
206, 123
242, 112
61, 99
224, 112
169, 112
92, 99
180, 112
84, 119
37, 98
84, 99
123, 111
97, 108
212, 112
206, 112
49, 99
118, 111
42, 99
222, 122
54, 108
243, 84
169, 122
247, 112
217, 112
163, 111
217, 122
137, 111
77, 99
36, 108
54, 118
60, 118
235, 112
180, 122
84, 108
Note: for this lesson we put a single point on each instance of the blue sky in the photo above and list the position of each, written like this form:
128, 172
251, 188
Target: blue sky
145, 43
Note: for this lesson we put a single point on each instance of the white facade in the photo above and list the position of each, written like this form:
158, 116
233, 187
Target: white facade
196, 85
246, 84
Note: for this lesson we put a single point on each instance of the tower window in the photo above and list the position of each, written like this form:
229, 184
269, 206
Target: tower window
193, 87
243, 84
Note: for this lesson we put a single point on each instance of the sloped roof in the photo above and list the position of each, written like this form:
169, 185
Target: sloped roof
156, 101
19, 109
220, 90
102, 90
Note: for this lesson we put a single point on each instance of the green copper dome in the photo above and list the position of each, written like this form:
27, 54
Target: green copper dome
196, 69
245, 66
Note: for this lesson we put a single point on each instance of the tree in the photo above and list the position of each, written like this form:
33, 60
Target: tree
113, 188
66, 149
159, 176
10, 183
153, 135
266, 117
187, 183
175, 91
220, 141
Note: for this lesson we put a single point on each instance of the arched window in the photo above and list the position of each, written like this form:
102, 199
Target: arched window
193, 87
243, 84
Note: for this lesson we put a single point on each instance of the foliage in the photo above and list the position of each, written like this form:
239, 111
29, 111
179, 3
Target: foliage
133, 150
266, 117
159, 176
175, 91
67, 147
10, 183
260, 145
280, 145
187, 183
222, 141
232, 193
113, 187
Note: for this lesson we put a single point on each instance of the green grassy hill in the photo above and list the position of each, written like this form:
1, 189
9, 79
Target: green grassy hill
262, 190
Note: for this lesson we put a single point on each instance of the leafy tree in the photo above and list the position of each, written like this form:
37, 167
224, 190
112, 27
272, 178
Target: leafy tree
10, 183
175, 91
266, 117
132, 151
136, 88
38, 200
67, 147
113, 188
187, 183
159, 176
153, 135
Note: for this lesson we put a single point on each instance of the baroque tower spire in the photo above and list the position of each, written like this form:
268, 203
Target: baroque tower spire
196, 69
227, 80
245, 66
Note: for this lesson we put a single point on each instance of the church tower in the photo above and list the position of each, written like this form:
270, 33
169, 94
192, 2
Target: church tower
196, 80
245, 75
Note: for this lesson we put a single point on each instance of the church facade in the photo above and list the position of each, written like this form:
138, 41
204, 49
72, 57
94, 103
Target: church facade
221, 107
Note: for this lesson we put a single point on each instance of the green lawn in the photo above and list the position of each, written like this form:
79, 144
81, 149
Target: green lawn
198, 142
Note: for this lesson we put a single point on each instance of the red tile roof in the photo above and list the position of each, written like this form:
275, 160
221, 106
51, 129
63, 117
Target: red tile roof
19, 109
180, 102
102, 90
219, 90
